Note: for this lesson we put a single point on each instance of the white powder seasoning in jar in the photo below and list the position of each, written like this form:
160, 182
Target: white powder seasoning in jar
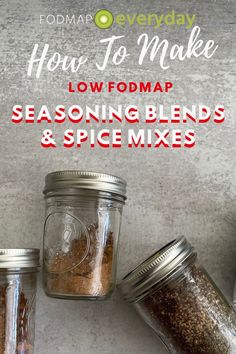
177, 298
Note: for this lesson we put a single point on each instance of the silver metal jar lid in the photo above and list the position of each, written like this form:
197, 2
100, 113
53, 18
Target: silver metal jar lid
155, 269
84, 180
19, 258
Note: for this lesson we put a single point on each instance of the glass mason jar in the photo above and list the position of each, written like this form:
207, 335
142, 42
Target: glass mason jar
82, 225
179, 301
18, 281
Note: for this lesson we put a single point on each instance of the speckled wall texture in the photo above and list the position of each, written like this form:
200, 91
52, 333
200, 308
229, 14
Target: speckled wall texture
170, 192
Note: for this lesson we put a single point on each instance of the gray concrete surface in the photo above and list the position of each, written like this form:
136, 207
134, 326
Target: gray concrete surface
170, 193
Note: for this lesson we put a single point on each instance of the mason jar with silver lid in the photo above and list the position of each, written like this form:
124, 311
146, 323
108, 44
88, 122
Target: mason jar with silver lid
82, 225
18, 281
176, 297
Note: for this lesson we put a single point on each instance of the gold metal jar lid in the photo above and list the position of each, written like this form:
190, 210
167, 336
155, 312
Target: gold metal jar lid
155, 269
19, 258
59, 180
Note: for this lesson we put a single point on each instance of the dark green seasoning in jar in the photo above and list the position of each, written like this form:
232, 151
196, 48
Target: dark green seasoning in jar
180, 302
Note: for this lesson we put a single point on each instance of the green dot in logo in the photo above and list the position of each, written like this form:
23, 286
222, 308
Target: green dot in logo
103, 19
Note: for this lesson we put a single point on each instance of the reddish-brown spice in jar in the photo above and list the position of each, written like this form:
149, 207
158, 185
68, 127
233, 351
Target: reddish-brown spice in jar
92, 277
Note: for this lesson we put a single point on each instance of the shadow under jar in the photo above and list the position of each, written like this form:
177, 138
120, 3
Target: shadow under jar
179, 301
82, 226
18, 281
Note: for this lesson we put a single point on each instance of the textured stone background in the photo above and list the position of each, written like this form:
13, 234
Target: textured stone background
190, 192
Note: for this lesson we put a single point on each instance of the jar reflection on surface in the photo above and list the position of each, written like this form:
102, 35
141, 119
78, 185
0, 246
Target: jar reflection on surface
184, 307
